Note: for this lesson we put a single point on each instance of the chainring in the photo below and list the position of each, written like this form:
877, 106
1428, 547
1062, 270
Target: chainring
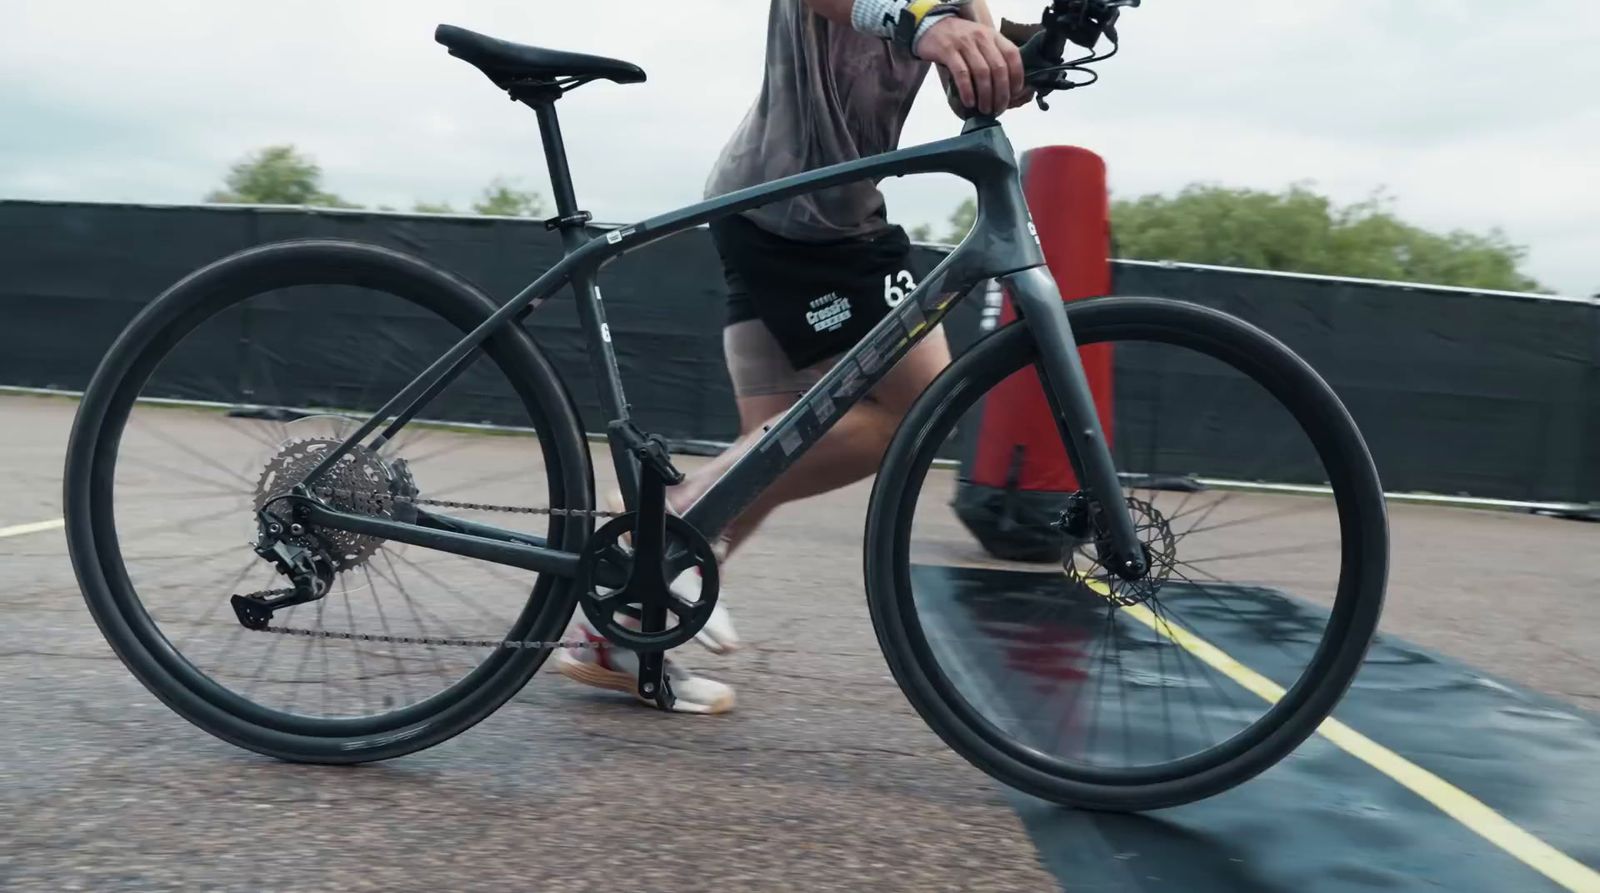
601, 605
360, 483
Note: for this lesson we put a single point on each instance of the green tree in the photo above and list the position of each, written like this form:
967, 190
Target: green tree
922, 232
962, 219
276, 175
433, 208
1301, 231
503, 198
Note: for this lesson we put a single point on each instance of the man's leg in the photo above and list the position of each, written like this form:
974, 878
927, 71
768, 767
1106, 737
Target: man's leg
851, 451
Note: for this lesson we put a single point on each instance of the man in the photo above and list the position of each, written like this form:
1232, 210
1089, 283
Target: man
808, 276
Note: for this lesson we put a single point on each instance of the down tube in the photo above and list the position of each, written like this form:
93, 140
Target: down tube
828, 400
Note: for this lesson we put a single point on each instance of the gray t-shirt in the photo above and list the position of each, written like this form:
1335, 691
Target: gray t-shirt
830, 94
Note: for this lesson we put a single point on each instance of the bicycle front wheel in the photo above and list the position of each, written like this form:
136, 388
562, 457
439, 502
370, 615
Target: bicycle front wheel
222, 394
1265, 522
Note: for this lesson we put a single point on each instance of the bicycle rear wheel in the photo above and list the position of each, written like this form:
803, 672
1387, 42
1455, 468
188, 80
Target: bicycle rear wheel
221, 395
1065, 681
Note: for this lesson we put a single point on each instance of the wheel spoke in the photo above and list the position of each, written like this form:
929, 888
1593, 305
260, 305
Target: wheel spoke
361, 669
1108, 632
263, 362
1299, 549
247, 430
411, 607
1243, 621
1197, 669
445, 587
222, 599
1204, 510
212, 484
195, 454
383, 620
453, 444
1265, 516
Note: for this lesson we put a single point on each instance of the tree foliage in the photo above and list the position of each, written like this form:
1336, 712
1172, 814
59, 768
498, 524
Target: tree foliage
962, 219
276, 175
282, 175
1298, 230
503, 198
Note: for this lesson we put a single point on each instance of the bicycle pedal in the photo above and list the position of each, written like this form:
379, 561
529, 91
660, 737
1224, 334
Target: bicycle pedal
654, 685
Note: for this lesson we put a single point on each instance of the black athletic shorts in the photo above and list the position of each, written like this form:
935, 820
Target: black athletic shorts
817, 298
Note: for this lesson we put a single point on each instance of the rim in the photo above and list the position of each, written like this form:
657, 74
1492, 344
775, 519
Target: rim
152, 340
1310, 407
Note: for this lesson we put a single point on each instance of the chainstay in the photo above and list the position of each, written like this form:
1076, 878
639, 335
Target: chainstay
435, 640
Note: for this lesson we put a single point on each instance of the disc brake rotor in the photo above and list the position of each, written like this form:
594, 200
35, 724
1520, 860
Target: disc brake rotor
1084, 565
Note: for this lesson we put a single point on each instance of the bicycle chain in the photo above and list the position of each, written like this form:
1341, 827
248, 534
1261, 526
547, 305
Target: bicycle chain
474, 506
433, 640
412, 640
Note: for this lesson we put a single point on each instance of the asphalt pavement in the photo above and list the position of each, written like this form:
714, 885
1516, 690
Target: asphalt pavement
822, 779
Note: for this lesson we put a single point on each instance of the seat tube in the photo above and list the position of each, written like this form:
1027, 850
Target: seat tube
1038, 301
591, 308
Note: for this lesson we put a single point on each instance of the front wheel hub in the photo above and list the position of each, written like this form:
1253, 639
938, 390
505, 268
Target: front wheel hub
1094, 564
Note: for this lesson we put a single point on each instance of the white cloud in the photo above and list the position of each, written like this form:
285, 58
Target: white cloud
1472, 114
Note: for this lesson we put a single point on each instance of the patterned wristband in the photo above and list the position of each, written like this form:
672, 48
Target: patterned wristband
902, 22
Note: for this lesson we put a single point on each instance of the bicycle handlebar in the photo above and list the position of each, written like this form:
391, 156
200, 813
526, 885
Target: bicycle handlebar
1083, 22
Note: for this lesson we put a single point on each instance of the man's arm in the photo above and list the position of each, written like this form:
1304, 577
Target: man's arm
986, 68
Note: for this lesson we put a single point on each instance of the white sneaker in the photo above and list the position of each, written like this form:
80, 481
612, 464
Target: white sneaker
606, 666
718, 635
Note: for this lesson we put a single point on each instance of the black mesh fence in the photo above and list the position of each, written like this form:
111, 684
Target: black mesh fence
1457, 392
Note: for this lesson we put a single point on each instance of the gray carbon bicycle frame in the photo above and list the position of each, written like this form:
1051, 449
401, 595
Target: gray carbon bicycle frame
1002, 245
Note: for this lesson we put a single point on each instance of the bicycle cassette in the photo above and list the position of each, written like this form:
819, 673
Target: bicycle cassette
359, 483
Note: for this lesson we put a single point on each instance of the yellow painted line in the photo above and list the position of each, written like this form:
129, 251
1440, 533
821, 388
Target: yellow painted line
1451, 800
35, 527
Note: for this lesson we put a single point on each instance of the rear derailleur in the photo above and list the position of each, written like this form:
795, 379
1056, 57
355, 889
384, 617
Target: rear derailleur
297, 554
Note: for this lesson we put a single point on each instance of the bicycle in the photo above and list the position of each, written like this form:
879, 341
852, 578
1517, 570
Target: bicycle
339, 503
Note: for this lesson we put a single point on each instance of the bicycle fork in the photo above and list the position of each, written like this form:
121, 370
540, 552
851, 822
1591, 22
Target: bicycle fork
1038, 301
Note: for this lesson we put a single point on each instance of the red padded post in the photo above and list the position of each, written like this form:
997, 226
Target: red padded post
1066, 191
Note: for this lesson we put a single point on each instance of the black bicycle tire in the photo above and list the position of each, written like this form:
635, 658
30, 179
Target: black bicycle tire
90, 525
1353, 620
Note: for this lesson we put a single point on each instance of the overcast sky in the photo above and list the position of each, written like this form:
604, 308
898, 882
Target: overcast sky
1470, 113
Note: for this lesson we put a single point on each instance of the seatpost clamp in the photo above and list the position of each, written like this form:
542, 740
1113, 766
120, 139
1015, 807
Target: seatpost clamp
569, 221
